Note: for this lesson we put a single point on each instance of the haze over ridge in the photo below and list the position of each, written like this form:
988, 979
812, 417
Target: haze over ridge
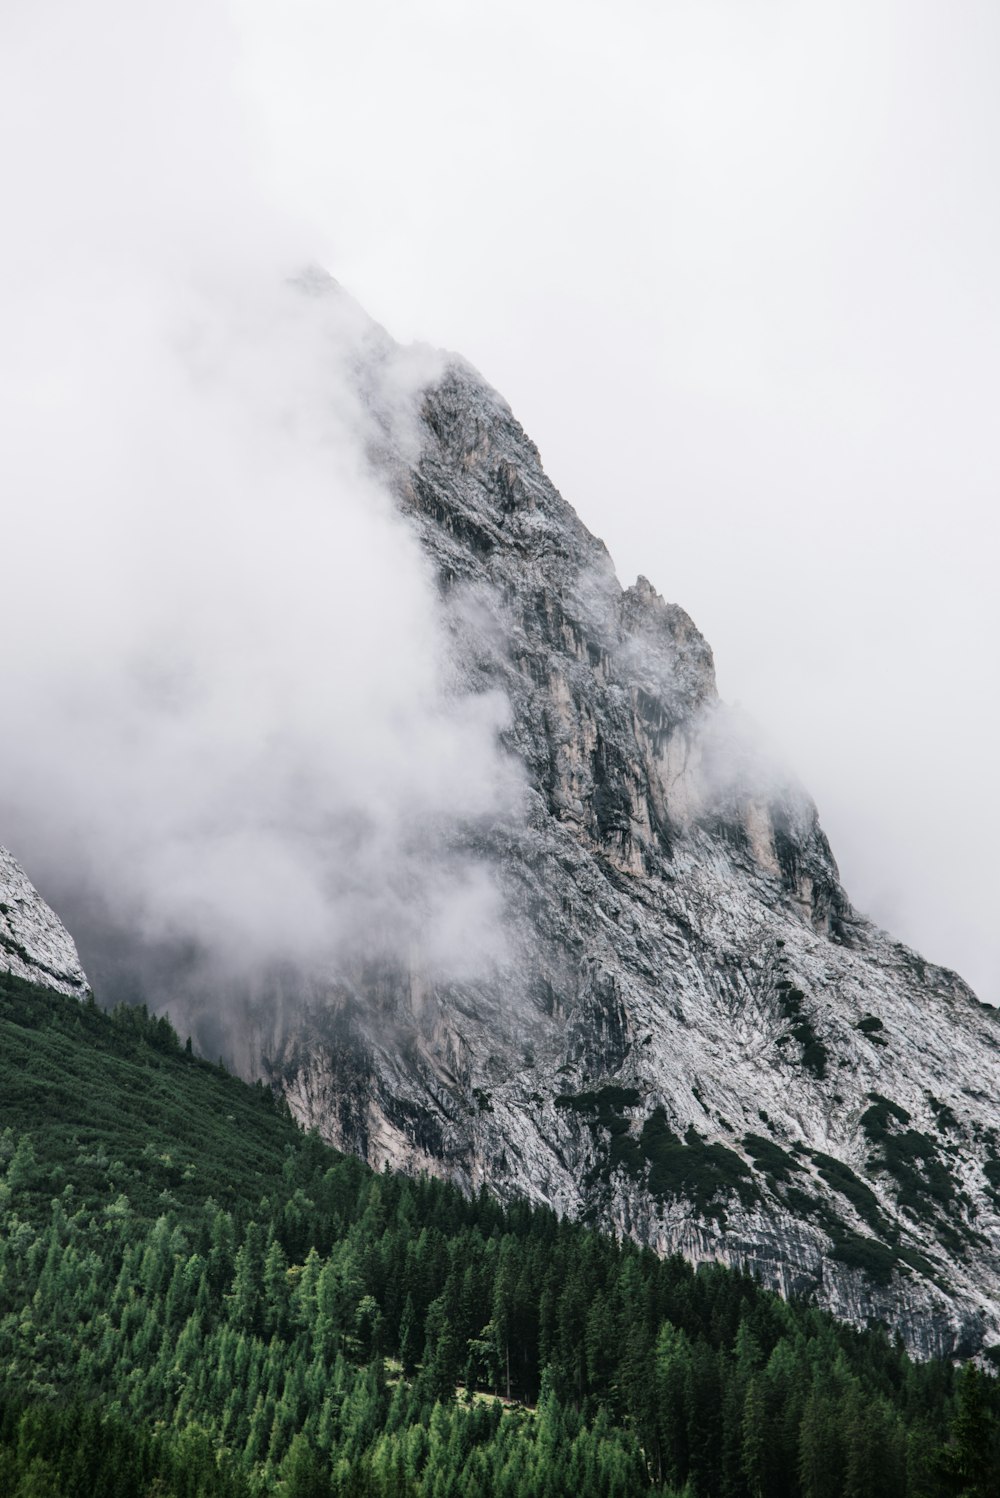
238, 732
788, 273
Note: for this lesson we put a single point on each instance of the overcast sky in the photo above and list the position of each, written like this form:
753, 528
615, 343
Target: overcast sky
735, 265
231, 740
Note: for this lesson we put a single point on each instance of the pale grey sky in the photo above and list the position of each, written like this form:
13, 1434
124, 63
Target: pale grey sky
232, 740
735, 265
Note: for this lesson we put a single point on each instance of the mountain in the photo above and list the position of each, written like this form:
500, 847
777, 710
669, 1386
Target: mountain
695, 1040
34, 944
688, 1036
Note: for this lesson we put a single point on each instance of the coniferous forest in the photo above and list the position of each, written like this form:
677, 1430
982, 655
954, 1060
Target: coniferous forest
198, 1299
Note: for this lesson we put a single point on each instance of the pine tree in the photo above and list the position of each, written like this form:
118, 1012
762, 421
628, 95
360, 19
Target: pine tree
276, 1309
246, 1296
821, 1456
754, 1439
970, 1463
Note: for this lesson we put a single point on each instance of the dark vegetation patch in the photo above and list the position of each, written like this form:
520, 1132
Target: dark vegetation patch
945, 1119
692, 1169
876, 1257
991, 1166
924, 1185
917, 1261
872, 1027
806, 1205
776, 1163
669, 1167
815, 1054
613, 1137
881, 1114
820, 1211
861, 1197
877, 1260
604, 1101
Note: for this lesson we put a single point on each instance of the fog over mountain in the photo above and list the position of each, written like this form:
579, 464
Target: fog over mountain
330, 725
238, 740
731, 264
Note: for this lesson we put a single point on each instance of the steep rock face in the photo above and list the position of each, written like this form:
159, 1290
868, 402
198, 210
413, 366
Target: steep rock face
694, 1038
34, 944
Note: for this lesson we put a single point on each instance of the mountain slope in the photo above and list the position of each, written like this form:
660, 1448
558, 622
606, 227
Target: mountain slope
694, 1039
688, 1036
199, 1299
34, 944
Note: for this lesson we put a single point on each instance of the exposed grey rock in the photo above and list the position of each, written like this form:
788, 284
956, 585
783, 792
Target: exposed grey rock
678, 935
34, 944
692, 1037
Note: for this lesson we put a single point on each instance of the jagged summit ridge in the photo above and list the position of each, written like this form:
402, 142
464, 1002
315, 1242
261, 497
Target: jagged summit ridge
696, 1039
34, 944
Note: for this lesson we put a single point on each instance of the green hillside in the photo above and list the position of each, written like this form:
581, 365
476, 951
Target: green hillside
198, 1299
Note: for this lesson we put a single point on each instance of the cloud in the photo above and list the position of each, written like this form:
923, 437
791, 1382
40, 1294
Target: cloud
733, 265
233, 725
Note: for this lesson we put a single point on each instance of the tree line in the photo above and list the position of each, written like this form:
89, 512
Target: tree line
327, 1331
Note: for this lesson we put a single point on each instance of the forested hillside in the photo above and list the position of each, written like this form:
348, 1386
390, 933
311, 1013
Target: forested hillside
196, 1298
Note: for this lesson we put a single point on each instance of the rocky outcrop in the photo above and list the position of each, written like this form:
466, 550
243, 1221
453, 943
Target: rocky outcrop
689, 1035
694, 1039
34, 944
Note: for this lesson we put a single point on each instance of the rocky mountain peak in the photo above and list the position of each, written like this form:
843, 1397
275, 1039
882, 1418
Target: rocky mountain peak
695, 1039
687, 1034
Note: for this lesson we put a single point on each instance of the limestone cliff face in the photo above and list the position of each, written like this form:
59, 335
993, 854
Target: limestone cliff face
695, 1039
34, 944
690, 1036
